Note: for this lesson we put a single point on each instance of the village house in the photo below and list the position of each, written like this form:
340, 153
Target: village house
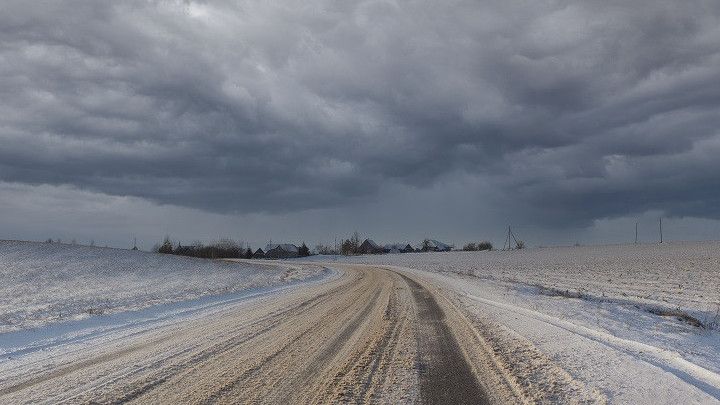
259, 254
281, 251
398, 248
436, 246
369, 247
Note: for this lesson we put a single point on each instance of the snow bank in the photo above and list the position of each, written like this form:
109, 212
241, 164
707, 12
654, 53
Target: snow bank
49, 282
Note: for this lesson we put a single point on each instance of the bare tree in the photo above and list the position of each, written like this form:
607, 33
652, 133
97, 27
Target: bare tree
166, 247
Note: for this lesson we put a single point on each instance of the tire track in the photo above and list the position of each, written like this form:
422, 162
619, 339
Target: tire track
446, 377
257, 330
309, 369
384, 349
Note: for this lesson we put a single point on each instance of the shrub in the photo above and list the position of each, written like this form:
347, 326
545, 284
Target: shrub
484, 245
470, 247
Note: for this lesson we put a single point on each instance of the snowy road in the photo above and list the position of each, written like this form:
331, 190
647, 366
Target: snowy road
354, 333
365, 334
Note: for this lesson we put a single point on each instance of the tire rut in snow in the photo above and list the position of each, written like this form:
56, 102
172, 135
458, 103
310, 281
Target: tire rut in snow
445, 376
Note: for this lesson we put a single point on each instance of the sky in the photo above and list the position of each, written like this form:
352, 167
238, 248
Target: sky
307, 120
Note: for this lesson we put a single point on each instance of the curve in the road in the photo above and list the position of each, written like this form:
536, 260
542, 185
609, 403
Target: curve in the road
372, 335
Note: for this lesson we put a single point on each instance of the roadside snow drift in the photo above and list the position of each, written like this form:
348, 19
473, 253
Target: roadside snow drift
49, 282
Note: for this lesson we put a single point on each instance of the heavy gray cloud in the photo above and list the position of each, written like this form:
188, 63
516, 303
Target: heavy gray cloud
562, 112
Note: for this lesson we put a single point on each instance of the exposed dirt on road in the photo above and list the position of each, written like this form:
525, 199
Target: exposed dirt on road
372, 335
445, 376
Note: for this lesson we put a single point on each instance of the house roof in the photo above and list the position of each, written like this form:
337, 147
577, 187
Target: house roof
439, 245
435, 244
288, 247
372, 244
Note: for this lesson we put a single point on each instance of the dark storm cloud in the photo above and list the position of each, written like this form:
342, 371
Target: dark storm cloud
570, 110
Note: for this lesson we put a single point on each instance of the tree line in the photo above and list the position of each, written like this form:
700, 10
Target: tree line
222, 249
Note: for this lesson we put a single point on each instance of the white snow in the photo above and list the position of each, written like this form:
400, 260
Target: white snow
26, 346
45, 283
606, 336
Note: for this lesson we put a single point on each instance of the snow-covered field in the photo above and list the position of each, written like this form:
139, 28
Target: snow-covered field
622, 319
43, 283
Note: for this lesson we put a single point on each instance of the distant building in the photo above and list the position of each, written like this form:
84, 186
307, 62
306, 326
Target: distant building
369, 247
436, 246
398, 248
259, 254
281, 251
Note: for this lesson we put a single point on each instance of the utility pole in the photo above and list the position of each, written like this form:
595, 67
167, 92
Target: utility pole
636, 224
507, 240
661, 236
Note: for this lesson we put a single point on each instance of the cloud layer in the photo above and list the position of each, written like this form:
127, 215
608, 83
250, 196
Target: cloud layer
562, 111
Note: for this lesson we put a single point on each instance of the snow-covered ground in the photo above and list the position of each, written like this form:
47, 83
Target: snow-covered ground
45, 283
635, 324
619, 318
